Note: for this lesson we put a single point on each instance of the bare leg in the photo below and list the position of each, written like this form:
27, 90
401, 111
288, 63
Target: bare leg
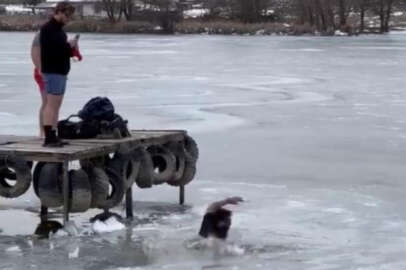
57, 109
51, 110
41, 113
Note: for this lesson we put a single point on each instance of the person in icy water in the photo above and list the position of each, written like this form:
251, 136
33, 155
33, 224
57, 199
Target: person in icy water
217, 220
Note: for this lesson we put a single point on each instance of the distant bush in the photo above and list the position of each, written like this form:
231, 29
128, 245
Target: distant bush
20, 23
99, 26
233, 27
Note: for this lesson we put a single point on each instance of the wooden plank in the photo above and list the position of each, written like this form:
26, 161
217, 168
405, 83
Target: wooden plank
30, 148
7, 139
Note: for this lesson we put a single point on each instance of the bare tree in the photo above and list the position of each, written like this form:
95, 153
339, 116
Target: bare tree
127, 8
113, 9
383, 8
32, 4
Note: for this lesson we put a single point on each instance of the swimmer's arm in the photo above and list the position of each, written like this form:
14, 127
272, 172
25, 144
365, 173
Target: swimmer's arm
217, 205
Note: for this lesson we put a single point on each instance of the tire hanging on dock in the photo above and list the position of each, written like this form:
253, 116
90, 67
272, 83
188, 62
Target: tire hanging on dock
100, 162
79, 191
50, 184
145, 177
126, 166
188, 173
36, 176
163, 162
116, 192
19, 172
99, 186
192, 151
177, 149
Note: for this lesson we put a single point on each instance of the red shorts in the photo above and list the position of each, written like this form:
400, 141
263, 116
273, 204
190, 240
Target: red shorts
40, 81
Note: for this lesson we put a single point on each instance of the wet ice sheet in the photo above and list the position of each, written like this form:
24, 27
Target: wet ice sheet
309, 130
293, 229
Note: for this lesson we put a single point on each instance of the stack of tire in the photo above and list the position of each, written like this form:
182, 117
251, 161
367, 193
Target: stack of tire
173, 163
101, 182
91, 186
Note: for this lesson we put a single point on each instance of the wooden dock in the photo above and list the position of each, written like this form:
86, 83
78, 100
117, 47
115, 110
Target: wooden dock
30, 149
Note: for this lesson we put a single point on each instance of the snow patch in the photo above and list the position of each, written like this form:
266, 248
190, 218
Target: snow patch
74, 253
296, 204
335, 210
109, 225
13, 249
194, 13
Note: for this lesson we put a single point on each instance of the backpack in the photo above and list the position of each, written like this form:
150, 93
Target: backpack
98, 121
97, 108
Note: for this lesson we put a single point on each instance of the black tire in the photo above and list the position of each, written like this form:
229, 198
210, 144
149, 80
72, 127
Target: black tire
50, 185
117, 190
8, 174
11, 175
188, 173
191, 148
22, 177
164, 163
79, 191
179, 152
126, 166
145, 177
99, 185
36, 175
100, 162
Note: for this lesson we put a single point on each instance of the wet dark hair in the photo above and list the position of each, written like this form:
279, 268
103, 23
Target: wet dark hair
64, 7
216, 224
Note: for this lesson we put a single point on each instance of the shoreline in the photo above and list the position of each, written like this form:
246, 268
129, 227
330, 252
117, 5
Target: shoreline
25, 23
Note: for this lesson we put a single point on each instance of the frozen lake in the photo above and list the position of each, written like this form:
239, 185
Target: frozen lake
311, 131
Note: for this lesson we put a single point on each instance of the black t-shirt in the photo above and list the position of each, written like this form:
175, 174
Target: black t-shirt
55, 49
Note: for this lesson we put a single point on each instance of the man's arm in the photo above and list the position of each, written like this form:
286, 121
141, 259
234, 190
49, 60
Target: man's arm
36, 57
217, 205
36, 52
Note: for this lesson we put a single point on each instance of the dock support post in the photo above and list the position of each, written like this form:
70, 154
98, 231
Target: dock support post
44, 213
65, 176
181, 195
129, 203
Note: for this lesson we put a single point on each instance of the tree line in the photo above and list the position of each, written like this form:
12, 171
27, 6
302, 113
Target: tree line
327, 15
324, 15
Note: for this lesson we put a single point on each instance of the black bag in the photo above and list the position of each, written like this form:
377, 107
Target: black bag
68, 129
89, 129
98, 108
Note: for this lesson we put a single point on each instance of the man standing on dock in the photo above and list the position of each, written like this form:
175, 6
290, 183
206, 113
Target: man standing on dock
56, 51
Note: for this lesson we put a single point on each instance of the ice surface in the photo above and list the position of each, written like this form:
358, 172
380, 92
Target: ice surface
310, 131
